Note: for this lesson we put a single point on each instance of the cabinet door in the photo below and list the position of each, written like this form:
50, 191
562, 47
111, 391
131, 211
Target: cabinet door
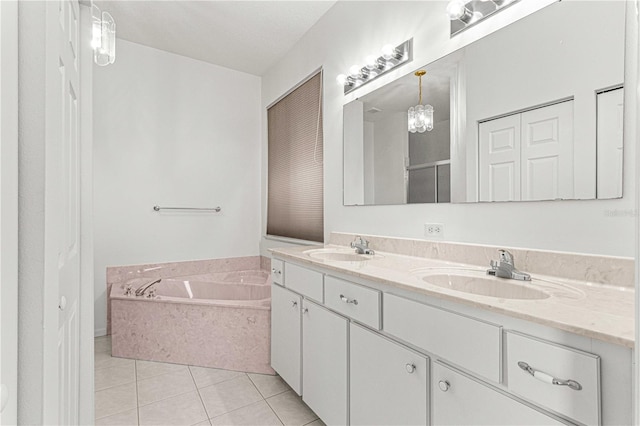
324, 363
388, 383
461, 400
286, 335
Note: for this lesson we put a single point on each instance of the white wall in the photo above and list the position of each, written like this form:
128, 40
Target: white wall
350, 31
172, 131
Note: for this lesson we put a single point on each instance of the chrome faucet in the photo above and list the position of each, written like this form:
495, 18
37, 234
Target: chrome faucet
504, 268
144, 287
361, 245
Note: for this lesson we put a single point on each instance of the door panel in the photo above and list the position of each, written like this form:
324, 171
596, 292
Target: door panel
286, 334
610, 141
324, 363
547, 152
62, 212
499, 159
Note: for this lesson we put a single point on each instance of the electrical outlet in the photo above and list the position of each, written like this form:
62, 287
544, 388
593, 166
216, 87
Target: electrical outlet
433, 230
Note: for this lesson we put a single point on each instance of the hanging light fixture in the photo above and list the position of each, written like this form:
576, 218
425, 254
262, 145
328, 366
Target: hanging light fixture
420, 116
103, 38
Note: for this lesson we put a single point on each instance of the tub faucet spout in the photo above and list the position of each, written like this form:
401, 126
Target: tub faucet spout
144, 287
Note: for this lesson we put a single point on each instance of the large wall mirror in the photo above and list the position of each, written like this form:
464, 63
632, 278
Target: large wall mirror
530, 112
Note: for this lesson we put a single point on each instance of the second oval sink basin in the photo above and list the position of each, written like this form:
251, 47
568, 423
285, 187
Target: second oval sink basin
339, 255
485, 286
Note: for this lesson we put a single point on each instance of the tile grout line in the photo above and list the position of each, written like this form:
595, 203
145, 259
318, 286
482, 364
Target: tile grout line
206, 412
274, 411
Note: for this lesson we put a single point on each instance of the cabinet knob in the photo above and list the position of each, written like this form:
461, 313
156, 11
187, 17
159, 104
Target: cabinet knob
294, 303
444, 385
410, 368
305, 310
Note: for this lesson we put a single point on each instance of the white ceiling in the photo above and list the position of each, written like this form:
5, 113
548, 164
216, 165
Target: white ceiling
247, 36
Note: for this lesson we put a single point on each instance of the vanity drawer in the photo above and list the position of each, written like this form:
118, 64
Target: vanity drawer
550, 360
469, 343
277, 271
355, 301
304, 281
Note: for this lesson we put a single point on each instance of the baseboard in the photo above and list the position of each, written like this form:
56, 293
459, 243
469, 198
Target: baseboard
100, 332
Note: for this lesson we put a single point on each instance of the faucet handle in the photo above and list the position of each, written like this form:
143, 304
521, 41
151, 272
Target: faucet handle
505, 256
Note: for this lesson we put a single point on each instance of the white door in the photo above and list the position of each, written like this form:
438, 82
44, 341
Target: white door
378, 365
499, 159
286, 334
460, 400
609, 143
8, 212
547, 153
324, 363
62, 214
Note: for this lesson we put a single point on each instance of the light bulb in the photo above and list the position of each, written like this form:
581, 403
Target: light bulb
476, 16
456, 9
341, 79
354, 71
371, 62
388, 51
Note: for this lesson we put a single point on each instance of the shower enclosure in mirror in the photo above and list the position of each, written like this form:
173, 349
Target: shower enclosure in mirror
531, 112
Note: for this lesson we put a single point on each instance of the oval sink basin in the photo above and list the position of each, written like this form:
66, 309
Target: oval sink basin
485, 286
338, 255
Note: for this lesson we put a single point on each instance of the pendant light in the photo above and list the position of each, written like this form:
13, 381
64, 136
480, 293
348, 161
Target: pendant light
420, 116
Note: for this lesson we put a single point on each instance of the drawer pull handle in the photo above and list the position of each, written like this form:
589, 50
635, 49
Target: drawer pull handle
347, 300
410, 368
548, 378
444, 385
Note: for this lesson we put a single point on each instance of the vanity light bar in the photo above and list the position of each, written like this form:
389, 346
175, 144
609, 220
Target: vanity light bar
390, 58
466, 13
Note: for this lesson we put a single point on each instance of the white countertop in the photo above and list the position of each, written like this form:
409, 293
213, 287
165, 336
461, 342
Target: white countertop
593, 310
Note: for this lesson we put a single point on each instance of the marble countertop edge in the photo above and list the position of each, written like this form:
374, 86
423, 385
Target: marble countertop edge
560, 314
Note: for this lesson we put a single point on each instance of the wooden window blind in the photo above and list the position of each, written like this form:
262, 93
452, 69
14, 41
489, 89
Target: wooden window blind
295, 178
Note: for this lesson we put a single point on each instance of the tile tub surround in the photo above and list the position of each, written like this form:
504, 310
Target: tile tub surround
161, 393
119, 274
610, 270
587, 308
233, 337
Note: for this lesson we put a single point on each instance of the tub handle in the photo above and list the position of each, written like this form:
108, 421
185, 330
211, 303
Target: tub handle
347, 300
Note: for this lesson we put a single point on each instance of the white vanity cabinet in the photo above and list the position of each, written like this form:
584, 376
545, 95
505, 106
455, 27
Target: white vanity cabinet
286, 337
324, 363
459, 399
388, 382
366, 353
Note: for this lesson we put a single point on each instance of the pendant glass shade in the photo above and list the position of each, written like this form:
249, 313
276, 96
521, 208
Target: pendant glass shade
420, 118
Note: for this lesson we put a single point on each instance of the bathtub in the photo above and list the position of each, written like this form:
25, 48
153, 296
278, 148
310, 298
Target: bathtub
218, 320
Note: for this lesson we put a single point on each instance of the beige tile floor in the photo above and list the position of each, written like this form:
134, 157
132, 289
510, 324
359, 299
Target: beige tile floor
135, 392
